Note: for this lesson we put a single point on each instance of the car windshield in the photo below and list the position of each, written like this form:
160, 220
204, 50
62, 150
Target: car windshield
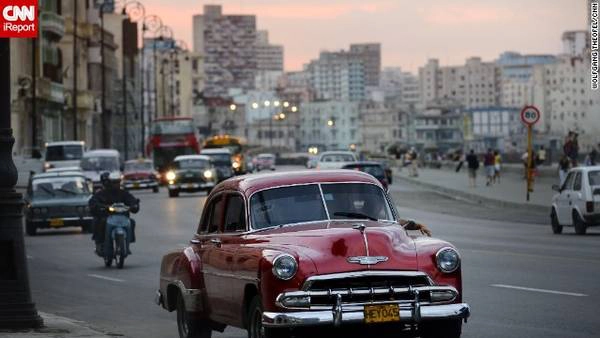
220, 159
100, 163
192, 164
374, 170
138, 166
266, 157
594, 177
337, 158
342, 201
59, 187
64, 152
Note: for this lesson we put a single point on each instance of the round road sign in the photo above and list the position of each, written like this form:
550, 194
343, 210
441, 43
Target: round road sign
530, 115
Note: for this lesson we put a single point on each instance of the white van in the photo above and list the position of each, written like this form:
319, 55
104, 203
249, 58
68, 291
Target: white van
96, 162
63, 154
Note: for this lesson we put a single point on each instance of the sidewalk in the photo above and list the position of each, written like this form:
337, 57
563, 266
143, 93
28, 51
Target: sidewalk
59, 327
510, 192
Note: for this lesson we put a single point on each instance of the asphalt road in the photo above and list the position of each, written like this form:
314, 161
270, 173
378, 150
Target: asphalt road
519, 278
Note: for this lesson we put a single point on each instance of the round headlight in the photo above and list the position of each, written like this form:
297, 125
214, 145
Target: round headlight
208, 174
448, 260
285, 267
236, 165
171, 175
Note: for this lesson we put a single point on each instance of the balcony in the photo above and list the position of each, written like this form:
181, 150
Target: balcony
50, 91
52, 23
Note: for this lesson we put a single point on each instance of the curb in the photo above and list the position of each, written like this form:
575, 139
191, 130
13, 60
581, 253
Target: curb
478, 199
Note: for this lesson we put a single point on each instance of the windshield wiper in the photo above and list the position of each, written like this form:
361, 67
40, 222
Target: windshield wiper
354, 215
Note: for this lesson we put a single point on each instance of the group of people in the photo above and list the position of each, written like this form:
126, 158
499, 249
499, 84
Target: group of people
491, 162
570, 156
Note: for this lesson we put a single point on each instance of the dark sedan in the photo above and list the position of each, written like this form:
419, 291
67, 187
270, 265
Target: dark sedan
375, 169
56, 200
191, 173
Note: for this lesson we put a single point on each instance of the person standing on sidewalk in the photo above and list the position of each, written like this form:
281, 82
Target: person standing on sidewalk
488, 163
497, 165
563, 167
541, 159
473, 165
414, 165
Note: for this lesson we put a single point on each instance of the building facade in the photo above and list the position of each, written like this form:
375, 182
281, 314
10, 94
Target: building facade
381, 126
337, 76
329, 125
370, 54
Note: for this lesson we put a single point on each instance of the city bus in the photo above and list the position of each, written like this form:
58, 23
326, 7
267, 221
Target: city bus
169, 138
235, 145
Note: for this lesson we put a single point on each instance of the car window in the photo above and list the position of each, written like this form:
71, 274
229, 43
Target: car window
100, 163
191, 164
568, 182
64, 152
287, 205
211, 221
235, 215
356, 201
577, 182
594, 177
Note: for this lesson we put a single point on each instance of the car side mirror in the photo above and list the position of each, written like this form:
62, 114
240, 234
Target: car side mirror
556, 187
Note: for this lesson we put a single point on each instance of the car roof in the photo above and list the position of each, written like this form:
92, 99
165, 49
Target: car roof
139, 160
101, 152
59, 174
210, 151
586, 169
336, 152
63, 169
248, 184
64, 143
265, 154
191, 157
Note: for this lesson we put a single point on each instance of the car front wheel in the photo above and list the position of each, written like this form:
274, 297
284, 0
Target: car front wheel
556, 227
580, 226
187, 326
255, 327
446, 329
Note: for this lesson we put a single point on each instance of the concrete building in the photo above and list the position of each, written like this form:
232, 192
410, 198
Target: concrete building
576, 43
330, 125
370, 54
228, 46
295, 87
268, 56
438, 129
494, 127
475, 84
337, 76
381, 125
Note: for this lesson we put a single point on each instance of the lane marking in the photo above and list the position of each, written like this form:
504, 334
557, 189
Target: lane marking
514, 287
107, 278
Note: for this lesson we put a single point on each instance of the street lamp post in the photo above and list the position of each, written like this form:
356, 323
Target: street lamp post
16, 307
151, 23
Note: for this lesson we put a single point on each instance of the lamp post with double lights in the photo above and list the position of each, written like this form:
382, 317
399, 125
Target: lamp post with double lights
134, 11
17, 311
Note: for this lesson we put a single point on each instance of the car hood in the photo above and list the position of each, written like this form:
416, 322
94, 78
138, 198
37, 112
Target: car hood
130, 175
76, 200
330, 245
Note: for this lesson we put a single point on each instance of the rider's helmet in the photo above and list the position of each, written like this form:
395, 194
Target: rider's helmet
110, 181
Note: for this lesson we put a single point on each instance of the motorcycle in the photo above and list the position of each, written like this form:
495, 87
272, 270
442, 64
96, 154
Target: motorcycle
118, 234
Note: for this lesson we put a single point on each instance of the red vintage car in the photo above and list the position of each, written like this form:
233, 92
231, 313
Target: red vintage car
281, 253
139, 174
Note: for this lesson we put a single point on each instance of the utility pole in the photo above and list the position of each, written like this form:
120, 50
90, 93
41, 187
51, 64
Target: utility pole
105, 119
75, 66
34, 130
124, 108
17, 311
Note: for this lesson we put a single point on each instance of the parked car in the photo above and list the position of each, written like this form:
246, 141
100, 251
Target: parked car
96, 162
56, 200
191, 173
577, 202
221, 159
339, 256
265, 162
63, 154
386, 163
372, 168
140, 174
335, 159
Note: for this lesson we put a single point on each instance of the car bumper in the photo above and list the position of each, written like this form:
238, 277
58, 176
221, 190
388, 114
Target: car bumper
338, 317
191, 186
61, 222
139, 185
592, 219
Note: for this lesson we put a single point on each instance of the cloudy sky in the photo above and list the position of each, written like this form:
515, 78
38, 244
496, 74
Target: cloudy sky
410, 31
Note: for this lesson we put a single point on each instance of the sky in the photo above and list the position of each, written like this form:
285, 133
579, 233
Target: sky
410, 32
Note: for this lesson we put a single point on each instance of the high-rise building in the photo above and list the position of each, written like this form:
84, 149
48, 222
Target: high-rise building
329, 125
269, 62
370, 54
228, 46
576, 43
337, 76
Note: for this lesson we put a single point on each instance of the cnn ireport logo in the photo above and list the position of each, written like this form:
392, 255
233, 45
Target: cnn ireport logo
18, 19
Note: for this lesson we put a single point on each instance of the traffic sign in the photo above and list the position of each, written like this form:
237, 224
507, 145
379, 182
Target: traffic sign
530, 115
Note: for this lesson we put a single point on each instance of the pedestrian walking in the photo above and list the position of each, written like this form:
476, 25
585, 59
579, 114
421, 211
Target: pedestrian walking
497, 165
488, 163
541, 159
414, 164
593, 157
563, 168
473, 165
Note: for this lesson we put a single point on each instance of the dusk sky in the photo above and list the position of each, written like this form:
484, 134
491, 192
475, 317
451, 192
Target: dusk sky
410, 31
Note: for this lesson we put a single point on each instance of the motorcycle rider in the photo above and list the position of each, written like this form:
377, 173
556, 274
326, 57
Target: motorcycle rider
110, 193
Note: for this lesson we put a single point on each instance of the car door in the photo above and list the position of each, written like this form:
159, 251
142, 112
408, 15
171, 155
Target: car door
214, 266
577, 198
564, 200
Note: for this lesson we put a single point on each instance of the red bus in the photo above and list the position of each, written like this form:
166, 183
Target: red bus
171, 137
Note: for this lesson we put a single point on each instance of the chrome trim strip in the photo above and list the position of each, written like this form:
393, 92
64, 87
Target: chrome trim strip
313, 318
86, 218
